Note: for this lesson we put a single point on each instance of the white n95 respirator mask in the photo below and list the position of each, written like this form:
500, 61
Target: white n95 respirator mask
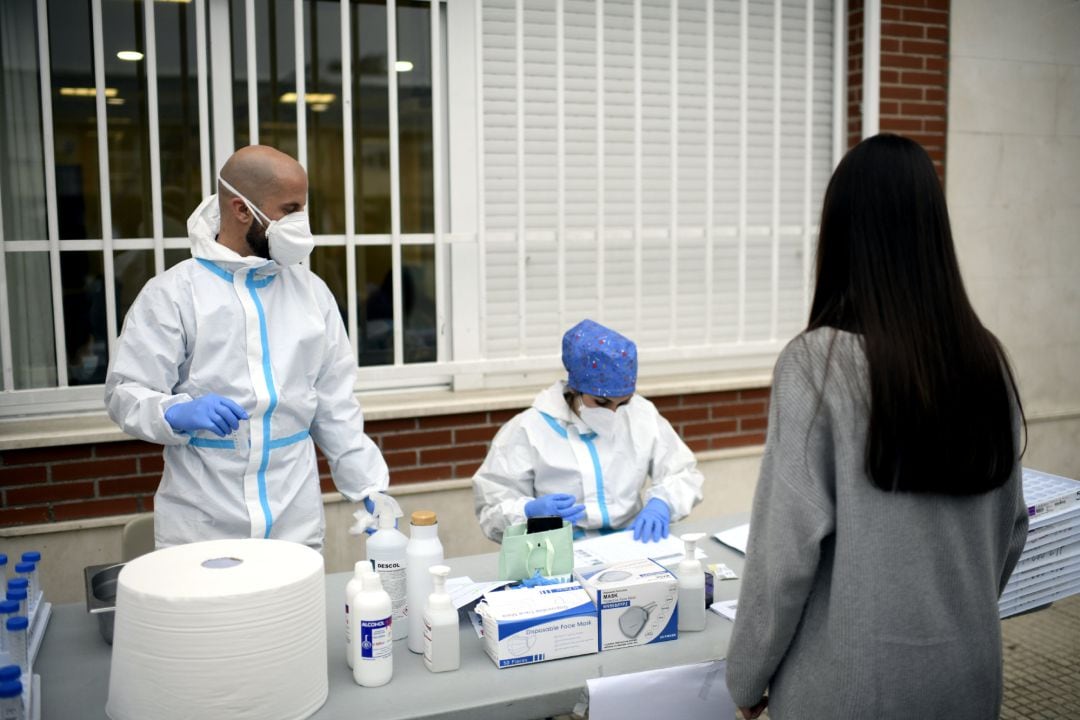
290, 239
600, 420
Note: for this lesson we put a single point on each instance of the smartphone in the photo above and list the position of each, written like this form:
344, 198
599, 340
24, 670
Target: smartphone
543, 523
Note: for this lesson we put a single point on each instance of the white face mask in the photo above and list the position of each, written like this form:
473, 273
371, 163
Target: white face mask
601, 420
289, 238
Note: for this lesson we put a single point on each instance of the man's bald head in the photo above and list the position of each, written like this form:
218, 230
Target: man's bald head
259, 171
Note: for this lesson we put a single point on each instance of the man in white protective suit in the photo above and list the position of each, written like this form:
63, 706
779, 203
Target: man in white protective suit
236, 360
586, 448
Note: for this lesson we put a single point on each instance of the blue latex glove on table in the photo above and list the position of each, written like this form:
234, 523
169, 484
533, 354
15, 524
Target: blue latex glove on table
559, 504
652, 522
219, 415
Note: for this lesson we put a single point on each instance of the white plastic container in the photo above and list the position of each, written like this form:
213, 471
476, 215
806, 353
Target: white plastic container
351, 588
442, 642
373, 633
423, 551
691, 586
386, 551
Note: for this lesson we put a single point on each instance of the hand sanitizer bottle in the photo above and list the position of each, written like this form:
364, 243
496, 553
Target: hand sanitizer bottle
691, 586
373, 638
442, 641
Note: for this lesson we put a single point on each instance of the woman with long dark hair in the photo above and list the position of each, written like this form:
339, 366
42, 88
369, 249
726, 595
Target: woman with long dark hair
888, 515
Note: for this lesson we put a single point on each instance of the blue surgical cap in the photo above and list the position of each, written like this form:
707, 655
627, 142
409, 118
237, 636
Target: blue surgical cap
599, 360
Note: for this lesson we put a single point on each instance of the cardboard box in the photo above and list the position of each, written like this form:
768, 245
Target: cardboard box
531, 625
637, 601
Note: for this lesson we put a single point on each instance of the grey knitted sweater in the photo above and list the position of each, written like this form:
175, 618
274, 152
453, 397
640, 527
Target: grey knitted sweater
857, 603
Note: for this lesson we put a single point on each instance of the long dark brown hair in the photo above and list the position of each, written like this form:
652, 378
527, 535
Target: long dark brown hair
940, 384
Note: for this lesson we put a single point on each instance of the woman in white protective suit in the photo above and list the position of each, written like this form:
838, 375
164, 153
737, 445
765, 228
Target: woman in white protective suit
243, 332
586, 448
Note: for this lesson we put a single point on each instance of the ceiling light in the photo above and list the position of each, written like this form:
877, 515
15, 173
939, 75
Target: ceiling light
309, 98
87, 92
403, 66
115, 101
319, 107
130, 55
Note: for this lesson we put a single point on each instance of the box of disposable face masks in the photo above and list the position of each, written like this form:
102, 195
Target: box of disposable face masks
530, 625
637, 601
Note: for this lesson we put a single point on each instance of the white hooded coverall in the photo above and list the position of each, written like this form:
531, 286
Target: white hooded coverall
549, 449
269, 338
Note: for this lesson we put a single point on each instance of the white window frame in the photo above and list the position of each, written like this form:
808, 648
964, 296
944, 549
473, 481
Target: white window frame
459, 234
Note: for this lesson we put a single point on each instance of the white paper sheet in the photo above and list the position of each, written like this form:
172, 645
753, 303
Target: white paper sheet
687, 692
621, 546
735, 538
464, 590
725, 608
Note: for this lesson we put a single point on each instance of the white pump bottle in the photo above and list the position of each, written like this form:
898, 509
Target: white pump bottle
442, 642
386, 551
691, 586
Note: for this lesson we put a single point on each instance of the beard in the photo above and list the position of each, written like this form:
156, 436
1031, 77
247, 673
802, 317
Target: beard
256, 240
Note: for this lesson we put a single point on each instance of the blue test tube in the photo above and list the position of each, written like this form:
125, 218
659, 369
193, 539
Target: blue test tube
11, 704
28, 572
8, 608
9, 673
3, 571
18, 596
18, 648
33, 556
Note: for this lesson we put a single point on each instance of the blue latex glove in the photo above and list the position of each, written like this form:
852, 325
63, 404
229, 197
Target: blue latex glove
652, 522
559, 504
370, 506
538, 579
219, 415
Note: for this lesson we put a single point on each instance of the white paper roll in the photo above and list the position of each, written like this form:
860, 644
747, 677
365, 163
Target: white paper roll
229, 629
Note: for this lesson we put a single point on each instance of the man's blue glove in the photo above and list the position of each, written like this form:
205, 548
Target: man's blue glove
370, 507
559, 504
219, 415
652, 522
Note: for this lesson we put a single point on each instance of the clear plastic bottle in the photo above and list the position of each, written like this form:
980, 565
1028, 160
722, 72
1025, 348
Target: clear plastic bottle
8, 609
3, 572
18, 595
351, 588
373, 633
442, 640
423, 551
17, 642
11, 703
691, 586
386, 551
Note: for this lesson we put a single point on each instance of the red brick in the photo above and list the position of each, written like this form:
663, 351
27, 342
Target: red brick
901, 92
890, 12
687, 415
900, 30
124, 449
919, 108
128, 486
404, 458
453, 454
45, 455
925, 47
23, 516
926, 17
890, 45
50, 493
712, 398
898, 60
94, 469
709, 428
901, 125
405, 441
698, 444
938, 64
146, 503
378, 427
719, 443
96, 508
475, 434
421, 474
499, 417
890, 76
747, 424
151, 465
466, 470
890, 108
937, 32
740, 409
755, 394
666, 402
323, 464
326, 484
453, 421
22, 475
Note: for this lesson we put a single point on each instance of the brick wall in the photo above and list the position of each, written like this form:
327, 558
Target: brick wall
82, 481
914, 72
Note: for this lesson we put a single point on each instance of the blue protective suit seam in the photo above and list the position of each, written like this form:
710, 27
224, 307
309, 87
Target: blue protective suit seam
268, 376
216, 269
605, 518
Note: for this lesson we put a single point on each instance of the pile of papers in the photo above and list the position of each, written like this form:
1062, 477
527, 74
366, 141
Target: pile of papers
1049, 567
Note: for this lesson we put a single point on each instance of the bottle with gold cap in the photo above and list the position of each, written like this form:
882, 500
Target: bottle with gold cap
423, 551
